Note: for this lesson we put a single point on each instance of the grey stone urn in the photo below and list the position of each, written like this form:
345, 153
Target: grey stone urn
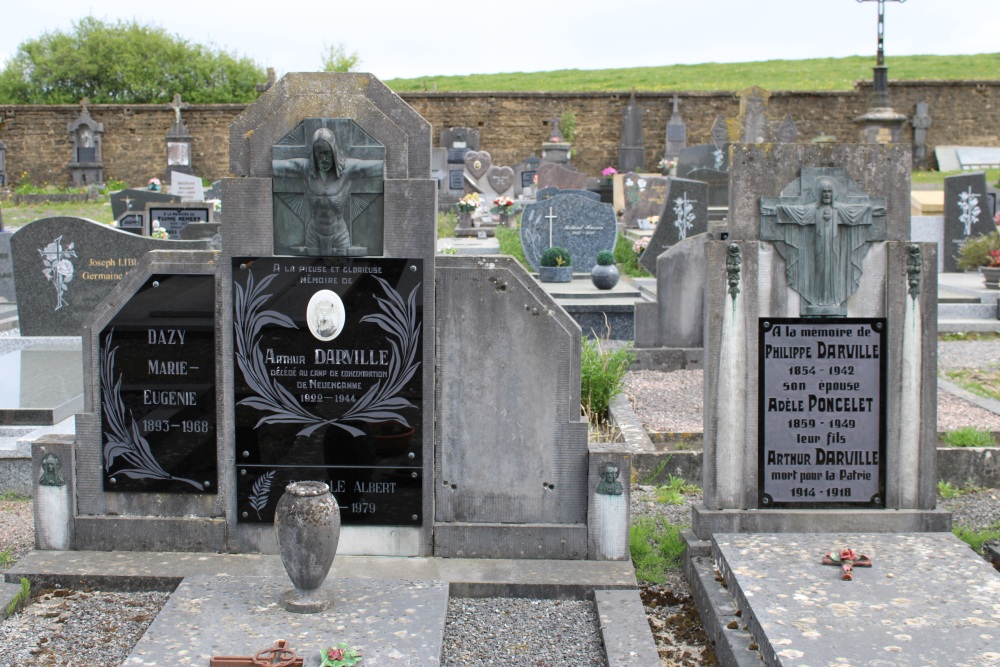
604, 276
555, 274
307, 525
991, 276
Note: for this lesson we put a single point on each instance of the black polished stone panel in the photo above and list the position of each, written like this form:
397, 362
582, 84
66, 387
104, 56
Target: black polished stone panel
157, 374
328, 383
822, 412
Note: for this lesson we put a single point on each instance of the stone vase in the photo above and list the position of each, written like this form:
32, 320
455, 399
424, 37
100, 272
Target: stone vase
555, 274
307, 526
991, 274
604, 276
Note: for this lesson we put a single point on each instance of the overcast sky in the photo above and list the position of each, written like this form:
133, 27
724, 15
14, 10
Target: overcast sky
410, 38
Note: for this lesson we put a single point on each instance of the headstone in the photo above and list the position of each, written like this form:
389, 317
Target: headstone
175, 218
3, 165
6, 269
676, 135
64, 267
186, 186
684, 214
214, 193
709, 164
133, 223
821, 330
581, 225
966, 213
524, 175
178, 140
921, 122
644, 196
86, 165
631, 155
134, 200
555, 175
550, 192
459, 137
977, 157
157, 357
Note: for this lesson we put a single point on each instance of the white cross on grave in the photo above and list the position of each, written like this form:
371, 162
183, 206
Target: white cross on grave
128, 203
550, 217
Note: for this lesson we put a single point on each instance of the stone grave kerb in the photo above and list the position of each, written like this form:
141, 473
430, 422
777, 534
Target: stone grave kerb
410, 206
746, 282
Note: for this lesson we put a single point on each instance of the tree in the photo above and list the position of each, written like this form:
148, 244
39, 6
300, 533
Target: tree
124, 63
336, 59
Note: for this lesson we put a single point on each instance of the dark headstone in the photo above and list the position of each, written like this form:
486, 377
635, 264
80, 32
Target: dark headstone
631, 156
684, 214
3, 169
457, 155
550, 192
214, 192
709, 164
921, 122
327, 364
64, 267
581, 225
676, 135
459, 137
965, 213
644, 197
135, 200
6, 268
560, 177
157, 357
524, 174
86, 136
175, 218
456, 179
133, 223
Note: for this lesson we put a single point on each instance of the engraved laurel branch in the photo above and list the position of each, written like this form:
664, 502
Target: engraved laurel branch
260, 491
125, 440
380, 403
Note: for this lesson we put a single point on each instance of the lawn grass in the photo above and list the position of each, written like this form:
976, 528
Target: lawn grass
15, 216
807, 75
655, 546
992, 176
985, 383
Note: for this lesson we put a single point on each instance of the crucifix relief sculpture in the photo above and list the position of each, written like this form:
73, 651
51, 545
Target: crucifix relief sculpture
822, 225
328, 185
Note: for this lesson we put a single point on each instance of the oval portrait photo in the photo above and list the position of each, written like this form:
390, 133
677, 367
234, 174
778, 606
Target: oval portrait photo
325, 315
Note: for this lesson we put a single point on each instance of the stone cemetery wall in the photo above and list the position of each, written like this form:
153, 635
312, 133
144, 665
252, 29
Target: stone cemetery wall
511, 125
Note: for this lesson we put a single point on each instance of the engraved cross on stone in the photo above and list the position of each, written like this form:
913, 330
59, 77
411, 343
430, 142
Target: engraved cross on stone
128, 203
177, 105
550, 217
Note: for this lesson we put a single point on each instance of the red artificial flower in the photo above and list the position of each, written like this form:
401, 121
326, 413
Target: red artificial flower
335, 653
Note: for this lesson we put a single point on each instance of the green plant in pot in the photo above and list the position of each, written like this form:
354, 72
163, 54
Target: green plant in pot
556, 266
982, 252
604, 275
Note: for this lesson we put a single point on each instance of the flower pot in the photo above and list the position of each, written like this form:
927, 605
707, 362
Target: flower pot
604, 276
555, 274
991, 274
465, 220
307, 526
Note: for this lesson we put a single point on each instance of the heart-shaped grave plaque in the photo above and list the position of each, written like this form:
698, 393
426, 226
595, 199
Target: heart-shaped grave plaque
478, 163
501, 179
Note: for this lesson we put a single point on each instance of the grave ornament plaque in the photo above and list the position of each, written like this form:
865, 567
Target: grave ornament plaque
327, 356
822, 412
157, 367
823, 225
328, 188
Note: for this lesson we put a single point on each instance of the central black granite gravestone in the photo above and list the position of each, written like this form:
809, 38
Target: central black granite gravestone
966, 214
822, 414
157, 379
684, 214
328, 384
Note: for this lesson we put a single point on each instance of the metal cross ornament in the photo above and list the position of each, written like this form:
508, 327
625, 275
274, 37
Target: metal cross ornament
881, 26
847, 559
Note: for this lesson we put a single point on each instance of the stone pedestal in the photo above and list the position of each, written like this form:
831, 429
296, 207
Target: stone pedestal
52, 473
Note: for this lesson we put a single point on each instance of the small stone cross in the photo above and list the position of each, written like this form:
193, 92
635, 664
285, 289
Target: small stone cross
177, 105
550, 217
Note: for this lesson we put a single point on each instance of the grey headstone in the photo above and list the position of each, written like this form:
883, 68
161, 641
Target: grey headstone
176, 218
581, 225
459, 137
966, 213
524, 173
676, 135
560, 177
135, 200
64, 267
707, 163
6, 269
644, 197
186, 186
631, 156
551, 191
787, 131
684, 214
87, 137
680, 293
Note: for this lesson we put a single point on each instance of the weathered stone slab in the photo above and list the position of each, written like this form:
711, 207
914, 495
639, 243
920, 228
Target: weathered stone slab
581, 225
6, 269
928, 599
558, 176
64, 267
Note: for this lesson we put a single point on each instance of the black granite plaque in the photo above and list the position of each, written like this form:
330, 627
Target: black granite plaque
528, 178
131, 222
328, 384
157, 368
174, 219
822, 412
456, 179
86, 154
457, 155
